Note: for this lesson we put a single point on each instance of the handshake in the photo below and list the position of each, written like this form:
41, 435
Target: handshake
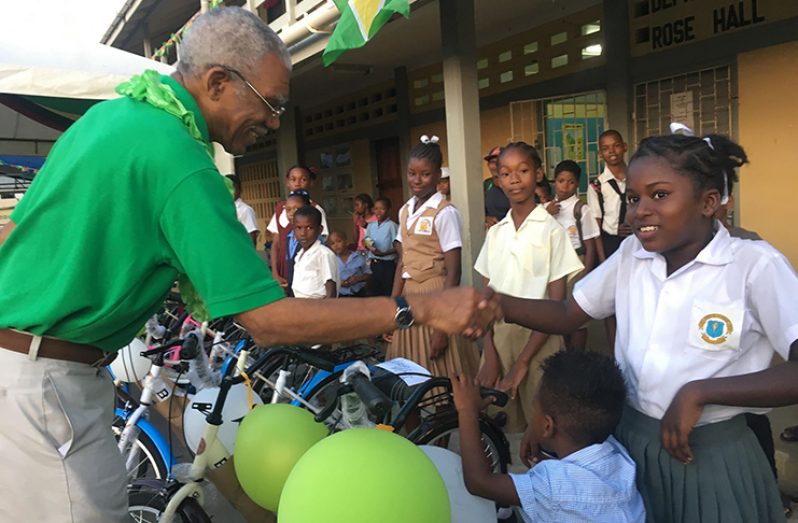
461, 310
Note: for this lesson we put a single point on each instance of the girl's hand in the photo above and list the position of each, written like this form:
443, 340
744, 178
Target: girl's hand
439, 344
553, 207
679, 420
346, 283
282, 281
513, 379
489, 374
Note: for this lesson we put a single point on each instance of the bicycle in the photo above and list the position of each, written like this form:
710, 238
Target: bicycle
432, 396
162, 501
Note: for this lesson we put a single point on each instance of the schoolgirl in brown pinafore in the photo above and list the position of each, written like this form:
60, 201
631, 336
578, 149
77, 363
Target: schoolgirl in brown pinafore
422, 268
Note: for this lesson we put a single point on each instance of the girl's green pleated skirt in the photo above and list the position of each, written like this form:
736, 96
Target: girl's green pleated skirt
729, 480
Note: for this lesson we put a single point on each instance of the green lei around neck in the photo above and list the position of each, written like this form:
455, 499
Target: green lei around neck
147, 87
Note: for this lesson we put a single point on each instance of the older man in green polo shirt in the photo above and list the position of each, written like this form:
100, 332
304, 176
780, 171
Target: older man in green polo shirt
128, 201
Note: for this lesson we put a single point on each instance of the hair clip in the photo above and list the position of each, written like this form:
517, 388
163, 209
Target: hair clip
299, 192
428, 140
680, 128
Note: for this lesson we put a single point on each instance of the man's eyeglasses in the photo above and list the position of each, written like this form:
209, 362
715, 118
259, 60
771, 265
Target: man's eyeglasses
277, 112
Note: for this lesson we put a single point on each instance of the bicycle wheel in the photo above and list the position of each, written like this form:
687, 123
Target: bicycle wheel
441, 430
143, 458
146, 505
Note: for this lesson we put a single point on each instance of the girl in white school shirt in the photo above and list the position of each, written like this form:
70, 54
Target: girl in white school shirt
700, 315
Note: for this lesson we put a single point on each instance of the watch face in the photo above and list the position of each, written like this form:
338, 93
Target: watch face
404, 318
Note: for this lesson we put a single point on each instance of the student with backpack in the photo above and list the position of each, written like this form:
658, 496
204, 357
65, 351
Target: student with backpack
581, 227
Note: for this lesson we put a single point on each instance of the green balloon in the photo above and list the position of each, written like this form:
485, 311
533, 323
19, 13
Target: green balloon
269, 442
364, 476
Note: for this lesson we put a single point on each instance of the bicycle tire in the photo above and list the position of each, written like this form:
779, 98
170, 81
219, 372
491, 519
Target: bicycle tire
151, 464
147, 506
440, 426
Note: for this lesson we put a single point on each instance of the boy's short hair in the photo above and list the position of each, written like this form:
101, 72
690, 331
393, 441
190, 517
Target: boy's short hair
585, 393
385, 200
611, 132
568, 166
340, 234
311, 212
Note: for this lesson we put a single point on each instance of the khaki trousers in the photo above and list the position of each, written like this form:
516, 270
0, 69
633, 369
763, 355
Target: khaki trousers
510, 340
60, 460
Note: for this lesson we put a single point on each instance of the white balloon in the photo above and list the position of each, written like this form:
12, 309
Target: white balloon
130, 366
466, 508
235, 408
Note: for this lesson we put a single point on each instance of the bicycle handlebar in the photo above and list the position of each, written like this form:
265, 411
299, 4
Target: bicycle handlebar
376, 402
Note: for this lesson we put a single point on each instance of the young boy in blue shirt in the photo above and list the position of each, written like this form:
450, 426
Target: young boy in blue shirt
581, 473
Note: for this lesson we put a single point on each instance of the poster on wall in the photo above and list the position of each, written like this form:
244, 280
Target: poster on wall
573, 139
682, 109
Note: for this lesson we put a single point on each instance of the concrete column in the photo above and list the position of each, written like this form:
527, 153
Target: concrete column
287, 143
462, 125
224, 161
619, 83
403, 124
147, 47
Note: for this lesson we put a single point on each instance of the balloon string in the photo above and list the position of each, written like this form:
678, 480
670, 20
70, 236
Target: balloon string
249, 389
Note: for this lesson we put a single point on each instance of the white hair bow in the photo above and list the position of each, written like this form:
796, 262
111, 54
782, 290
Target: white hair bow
680, 128
426, 139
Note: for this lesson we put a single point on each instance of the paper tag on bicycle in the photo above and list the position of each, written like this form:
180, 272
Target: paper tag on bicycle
411, 372
160, 390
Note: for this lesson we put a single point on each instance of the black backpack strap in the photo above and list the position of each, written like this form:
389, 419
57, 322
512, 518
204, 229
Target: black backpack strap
622, 213
596, 184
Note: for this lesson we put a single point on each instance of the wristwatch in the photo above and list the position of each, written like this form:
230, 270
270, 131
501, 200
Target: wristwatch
404, 316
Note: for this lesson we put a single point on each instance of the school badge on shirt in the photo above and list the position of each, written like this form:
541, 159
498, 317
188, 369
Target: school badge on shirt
424, 226
718, 325
715, 328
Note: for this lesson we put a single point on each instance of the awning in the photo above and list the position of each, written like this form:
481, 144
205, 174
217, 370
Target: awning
54, 84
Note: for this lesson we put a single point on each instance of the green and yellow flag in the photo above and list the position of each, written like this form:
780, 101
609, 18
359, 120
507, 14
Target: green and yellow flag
360, 20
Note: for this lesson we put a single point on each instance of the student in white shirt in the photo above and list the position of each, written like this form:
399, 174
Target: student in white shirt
297, 178
526, 254
315, 265
700, 316
580, 225
244, 213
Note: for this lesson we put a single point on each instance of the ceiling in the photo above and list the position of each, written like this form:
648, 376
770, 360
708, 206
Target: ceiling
413, 42
416, 42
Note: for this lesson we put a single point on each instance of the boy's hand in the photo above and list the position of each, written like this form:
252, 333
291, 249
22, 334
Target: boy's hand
466, 395
282, 281
530, 449
513, 379
553, 207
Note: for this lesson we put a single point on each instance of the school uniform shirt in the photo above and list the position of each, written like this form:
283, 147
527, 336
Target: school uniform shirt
523, 262
723, 314
246, 215
595, 484
612, 201
355, 265
272, 227
448, 222
567, 220
312, 269
383, 235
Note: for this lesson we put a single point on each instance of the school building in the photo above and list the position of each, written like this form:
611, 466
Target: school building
552, 73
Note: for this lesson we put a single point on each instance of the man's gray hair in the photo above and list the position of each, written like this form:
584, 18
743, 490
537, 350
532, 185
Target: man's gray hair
229, 36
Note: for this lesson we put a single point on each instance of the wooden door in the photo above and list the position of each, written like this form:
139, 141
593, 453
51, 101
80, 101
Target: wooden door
389, 173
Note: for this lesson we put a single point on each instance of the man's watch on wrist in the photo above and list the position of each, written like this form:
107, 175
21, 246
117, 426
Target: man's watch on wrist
404, 316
